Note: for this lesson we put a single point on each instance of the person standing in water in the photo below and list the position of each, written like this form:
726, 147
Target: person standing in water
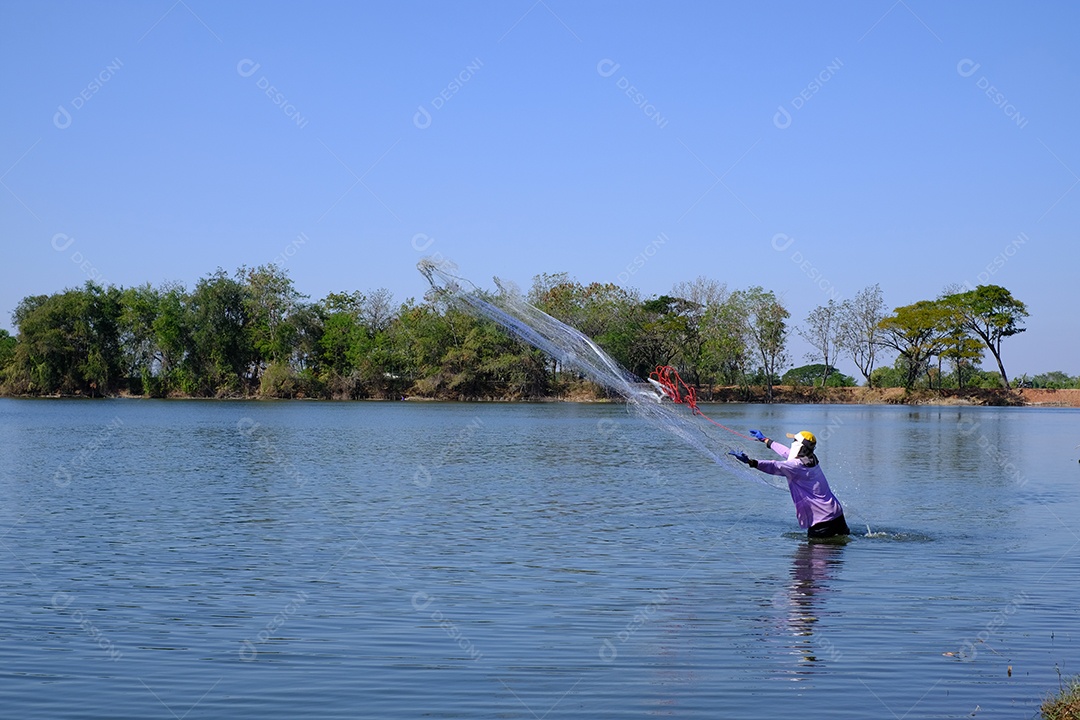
817, 509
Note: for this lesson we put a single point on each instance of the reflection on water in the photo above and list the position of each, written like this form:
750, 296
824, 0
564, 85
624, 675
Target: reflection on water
814, 566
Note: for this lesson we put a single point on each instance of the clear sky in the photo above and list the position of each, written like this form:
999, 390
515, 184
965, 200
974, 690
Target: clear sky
809, 148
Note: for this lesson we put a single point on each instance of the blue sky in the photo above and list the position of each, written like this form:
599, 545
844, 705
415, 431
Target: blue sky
810, 149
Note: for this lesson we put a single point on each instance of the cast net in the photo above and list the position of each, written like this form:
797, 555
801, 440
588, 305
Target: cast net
664, 400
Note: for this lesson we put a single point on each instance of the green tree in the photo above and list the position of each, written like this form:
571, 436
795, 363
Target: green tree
424, 335
700, 297
724, 347
378, 358
961, 349
605, 312
917, 332
43, 361
1056, 379
219, 354
992, 314
812, 375
270, 305
555, 294
766, 331
987, 379
663, 336
139, 307
367, 347
476, 367
889, 376
171, 328
8, 343
342, 332
69, 342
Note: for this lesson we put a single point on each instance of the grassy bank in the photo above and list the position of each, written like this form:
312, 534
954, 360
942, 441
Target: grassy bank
1065, 705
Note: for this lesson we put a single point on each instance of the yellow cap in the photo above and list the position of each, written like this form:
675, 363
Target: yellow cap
806, 436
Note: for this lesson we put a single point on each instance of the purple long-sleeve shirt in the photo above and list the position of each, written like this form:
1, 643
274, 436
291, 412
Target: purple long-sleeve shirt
814, 501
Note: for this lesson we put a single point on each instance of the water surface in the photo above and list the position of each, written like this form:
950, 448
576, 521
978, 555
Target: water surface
396, 560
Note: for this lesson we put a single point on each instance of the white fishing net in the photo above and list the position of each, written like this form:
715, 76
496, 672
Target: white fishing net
576, 352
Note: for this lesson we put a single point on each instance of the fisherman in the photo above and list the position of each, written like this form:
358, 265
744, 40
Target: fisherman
818, 510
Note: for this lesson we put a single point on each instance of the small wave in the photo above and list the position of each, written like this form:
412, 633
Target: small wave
890, 534
869, 534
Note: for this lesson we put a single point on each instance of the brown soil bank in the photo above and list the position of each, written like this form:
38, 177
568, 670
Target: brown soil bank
899, 396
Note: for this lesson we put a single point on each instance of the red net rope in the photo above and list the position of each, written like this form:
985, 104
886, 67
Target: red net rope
675, 389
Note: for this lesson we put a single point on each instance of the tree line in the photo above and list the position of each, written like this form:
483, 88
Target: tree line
253, 334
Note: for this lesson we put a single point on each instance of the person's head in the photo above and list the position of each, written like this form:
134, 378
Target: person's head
802, 445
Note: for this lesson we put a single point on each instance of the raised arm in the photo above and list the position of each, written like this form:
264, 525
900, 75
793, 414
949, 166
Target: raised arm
778, 448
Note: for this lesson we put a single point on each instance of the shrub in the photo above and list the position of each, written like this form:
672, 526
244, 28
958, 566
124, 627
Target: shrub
278, 382
1065, 705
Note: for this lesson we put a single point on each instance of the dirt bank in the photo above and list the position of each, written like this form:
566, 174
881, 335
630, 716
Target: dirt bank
899, 396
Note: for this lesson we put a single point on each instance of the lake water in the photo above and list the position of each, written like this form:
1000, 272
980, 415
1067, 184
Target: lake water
171, 559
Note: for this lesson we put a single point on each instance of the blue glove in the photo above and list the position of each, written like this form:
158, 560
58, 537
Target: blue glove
756, 434
740, 456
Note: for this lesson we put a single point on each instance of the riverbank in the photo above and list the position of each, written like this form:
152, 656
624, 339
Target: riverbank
781, 395
788, 395
900, 396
